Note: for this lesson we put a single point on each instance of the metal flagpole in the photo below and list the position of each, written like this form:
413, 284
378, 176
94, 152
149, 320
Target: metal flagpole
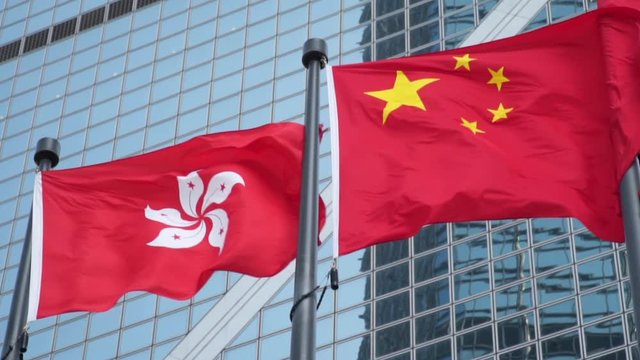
629, 192
15, 340
303, 332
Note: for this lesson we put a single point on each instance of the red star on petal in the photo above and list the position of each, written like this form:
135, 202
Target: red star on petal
176, 237
222, 187
191, 185
221, 231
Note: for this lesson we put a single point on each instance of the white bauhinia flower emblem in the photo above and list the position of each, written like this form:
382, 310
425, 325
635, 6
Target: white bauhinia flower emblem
183, 233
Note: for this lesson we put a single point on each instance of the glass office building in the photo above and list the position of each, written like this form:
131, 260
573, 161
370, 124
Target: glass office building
112, 79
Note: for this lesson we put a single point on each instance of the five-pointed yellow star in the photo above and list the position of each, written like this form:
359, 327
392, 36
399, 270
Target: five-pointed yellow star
403, 93
472, 126
499, 113
463, 61
498, 78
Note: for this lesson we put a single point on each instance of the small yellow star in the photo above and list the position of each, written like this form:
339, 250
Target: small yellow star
403, 93
463, 61
498, 78
499, 113
472, 126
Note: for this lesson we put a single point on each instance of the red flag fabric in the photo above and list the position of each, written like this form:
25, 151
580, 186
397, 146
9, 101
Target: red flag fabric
624, 3
543, 124
163, 222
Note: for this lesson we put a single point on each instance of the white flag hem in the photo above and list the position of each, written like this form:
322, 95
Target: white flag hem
37, 224
335, 160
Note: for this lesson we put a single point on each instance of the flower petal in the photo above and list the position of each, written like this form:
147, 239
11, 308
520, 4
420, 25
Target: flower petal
176, 238
220, 225
220, 187
191, 188
167, 216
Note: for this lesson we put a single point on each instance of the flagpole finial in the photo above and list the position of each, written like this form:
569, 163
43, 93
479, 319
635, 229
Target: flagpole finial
47, 149
314, 49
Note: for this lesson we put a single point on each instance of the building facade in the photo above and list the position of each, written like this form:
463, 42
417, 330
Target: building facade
111, 79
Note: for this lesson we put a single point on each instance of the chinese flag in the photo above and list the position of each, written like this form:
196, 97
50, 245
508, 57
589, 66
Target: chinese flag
543, 124
163, 222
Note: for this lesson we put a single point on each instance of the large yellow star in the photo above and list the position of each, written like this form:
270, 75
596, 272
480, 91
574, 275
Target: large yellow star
499, 113
498, 78
403, 93
463, 61
472, 126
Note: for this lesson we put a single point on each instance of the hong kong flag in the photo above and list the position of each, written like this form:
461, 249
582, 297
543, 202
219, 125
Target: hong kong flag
163, 222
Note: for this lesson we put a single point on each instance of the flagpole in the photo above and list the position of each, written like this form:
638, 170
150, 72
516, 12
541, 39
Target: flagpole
303, 331
46, 157
629, 194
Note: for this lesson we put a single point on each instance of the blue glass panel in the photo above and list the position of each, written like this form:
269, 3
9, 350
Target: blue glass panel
431, 265
71, 333
555, 286
433, 326
475, 344
437, 351
353, 322
552, 255
171, 326
136, 337
103, 347
596, 272
516, 331
600, 304
277, 346
392, 339
510, 239
565, 346
511, 269
470, 252
472, 282
513, 299
558, 317
431, 295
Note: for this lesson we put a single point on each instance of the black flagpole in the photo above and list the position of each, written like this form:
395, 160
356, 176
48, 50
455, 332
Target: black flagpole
15, 340
303, 332
629, 192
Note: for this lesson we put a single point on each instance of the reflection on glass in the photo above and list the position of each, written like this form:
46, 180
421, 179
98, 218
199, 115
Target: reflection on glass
393, 278
511, 269
437, 351
526, 353
430, 237
433, 326
392, 308
547, 228
588, 244
472, 282
555, 286
359, 349
552, 255
431, 265
470, 252
601, 303
353, 321
475, 344
432, 295
392, 251
565, 346
462, 230
604, 335
596, 272
472, 313
513, 238
513, 299
517, 330
392, 339
558, 317
354, 292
